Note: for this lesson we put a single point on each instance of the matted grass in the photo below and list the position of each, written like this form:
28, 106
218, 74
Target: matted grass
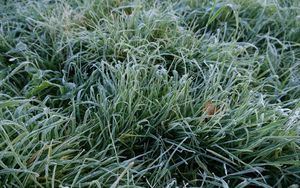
119, 93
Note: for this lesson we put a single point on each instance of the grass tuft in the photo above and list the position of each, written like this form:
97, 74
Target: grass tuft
111, 93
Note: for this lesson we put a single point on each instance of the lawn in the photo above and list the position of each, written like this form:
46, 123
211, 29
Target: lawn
150, 93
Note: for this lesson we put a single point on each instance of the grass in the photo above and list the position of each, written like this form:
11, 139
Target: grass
114, 93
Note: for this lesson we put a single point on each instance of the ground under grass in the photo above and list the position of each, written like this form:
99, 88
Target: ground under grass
119, 93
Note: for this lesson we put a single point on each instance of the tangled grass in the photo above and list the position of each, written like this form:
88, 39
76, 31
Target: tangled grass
114, 93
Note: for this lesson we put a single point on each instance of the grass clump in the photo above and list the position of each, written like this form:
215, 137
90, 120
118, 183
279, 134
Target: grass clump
115, 93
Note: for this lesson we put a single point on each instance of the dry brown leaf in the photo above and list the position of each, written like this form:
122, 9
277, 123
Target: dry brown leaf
210, 109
